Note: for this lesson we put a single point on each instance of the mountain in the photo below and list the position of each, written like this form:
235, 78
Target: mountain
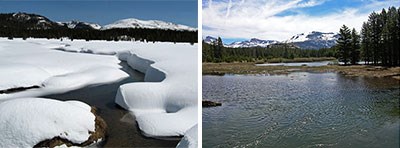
25, 25
34, 21
314, 40
252, 43
26, 20
80, 25
149, 24
209, 39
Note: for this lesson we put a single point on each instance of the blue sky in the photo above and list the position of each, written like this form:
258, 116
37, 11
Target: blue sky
107, 11
236, 20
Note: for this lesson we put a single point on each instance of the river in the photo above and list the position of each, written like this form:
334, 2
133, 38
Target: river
301, 110
123, 130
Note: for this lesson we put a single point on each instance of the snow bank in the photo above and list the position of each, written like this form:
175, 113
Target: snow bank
27, 121
190, 139
11, 72
36, 62
166, 104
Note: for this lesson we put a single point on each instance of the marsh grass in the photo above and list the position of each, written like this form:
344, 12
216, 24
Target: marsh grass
251, 68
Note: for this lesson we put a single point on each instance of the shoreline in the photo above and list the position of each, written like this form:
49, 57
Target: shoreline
251, 68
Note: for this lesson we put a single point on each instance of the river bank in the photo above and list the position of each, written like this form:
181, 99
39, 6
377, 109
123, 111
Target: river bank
251, 68
123, 130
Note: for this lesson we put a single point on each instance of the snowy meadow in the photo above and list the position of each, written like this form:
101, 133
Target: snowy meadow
164, 105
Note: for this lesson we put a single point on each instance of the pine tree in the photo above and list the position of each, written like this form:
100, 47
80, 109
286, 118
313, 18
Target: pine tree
375, 36
218, 50
344, 45
384, 37
366, 52
391, 35
355, 47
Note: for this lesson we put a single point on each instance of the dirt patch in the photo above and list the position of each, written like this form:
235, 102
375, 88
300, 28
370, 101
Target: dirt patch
100, 133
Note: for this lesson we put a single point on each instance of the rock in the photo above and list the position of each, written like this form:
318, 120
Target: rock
95, 137
207, 103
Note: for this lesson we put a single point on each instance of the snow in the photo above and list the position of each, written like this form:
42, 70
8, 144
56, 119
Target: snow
25, 122
252, 43
190, 139
314, 35
168, 105
209, 39
14, 71
150, 24
25, 63
164, 105
73, 24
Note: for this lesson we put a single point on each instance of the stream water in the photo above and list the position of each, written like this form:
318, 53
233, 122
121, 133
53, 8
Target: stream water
301, 110
122, 127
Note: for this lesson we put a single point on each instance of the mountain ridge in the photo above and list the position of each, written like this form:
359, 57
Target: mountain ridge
36, 21
312, 40
149, 24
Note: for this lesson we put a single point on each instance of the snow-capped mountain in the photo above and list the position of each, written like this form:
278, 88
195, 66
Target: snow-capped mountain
26, 20
209, 39
81, 25
35, 21
150, 24
314, 40
252, 43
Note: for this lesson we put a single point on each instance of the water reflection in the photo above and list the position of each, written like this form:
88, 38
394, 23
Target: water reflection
320, 63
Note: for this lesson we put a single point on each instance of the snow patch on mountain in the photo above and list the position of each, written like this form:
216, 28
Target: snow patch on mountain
311, 40
210, 39
81, 25
254, 42
314, 35
150, 24
40, 21
314, 40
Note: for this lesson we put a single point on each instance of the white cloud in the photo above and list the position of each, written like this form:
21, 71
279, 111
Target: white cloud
259, 19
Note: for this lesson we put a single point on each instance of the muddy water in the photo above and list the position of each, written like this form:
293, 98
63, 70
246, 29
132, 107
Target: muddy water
122, 128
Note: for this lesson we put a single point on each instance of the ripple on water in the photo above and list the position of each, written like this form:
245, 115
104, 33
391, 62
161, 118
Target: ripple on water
299, 110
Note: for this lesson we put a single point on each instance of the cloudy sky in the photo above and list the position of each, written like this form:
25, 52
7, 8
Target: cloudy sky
235, 20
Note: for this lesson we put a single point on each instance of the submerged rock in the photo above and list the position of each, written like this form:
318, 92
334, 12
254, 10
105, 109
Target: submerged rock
207, 103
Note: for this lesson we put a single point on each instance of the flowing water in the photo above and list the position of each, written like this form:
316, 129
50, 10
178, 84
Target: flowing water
301, 110
122, 130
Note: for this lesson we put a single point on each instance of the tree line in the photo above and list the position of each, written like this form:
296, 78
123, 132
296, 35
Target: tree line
216, 52
377, 44
14, 27
117, 34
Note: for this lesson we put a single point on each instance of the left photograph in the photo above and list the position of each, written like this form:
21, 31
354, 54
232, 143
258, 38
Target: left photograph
98, 73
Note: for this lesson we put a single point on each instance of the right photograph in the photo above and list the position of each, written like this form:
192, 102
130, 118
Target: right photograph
301, 73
